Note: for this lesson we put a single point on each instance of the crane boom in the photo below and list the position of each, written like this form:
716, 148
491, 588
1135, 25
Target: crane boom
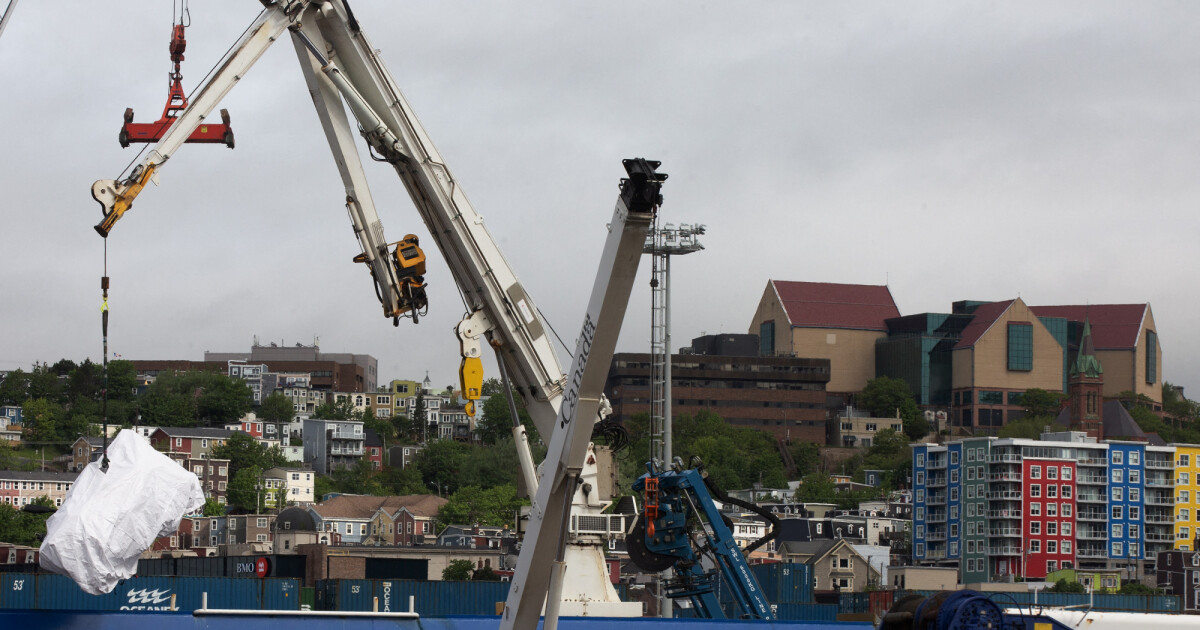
340, 66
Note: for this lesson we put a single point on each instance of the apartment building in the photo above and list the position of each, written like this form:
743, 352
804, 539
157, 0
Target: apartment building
297, 485
20, 488
1006, 508
333, 444
195, 442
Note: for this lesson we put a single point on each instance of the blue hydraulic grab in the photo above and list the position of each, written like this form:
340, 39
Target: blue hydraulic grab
680, 525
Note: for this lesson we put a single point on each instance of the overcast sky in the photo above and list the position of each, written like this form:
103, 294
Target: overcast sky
967, 150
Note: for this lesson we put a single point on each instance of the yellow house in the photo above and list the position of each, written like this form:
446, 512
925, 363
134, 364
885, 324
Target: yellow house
1187, 496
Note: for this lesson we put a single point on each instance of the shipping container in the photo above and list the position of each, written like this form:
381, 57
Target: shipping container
805, 612
142, 594
278, 565
17, 590
785, 582
881, 602
441, 599
854, 602
345, 595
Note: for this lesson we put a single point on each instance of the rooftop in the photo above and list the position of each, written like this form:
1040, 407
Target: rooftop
831, 305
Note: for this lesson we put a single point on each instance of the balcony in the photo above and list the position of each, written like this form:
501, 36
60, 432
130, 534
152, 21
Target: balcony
1161, 464
1004, 550
935, 536
1092, 515
1007, 532
1155, 537
939, 480
1159, 500
1159, 482
1160, 519
1092, 461
937, 516
1091, 534
936, 464
1093, 479
939, 554
1092, 552
1005, 495
1091, 497
1004, 459
1013, 514
936, 500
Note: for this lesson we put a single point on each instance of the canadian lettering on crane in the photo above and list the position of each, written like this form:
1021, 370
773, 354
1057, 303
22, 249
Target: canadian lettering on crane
571, 399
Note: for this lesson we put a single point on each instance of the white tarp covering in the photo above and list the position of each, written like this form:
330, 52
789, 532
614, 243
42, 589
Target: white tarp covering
108, 519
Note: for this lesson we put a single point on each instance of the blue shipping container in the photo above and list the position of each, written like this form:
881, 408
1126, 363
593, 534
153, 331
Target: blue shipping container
48, 591
17, 590
805, 612
785, 582
346, 595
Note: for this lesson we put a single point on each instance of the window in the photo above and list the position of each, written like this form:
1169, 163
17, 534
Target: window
1116, 513
1118, 494
1184, 478
1185, 514
1051, 565
954, 476
1066, 530
1118, 550
1035, 528
178, 441
1135, 494
920, 459
1151, 356
262, 522
1066, 547
970, 473
953, 457
1035, 490
1183, 460
1135, 458
953, 513
204, 443
1066, 473
1117, 475
1066, 509
1035, 472
1066, 492
920, 514
970, 491
1051, 509
1051, 491
1052, 472
1184, 497
1185, 533
1051, 546
1035, 546
1035, 509
1134, 513
1135, 476
1118, 530
1020, 346
920, 495
953, 494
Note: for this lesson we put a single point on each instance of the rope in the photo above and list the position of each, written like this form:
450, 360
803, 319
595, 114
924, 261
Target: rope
104, 329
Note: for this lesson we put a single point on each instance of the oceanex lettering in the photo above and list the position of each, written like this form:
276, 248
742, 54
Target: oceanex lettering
150, 599
571, 400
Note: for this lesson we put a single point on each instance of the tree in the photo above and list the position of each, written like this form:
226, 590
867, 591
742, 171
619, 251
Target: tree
816, 488
473, 505
485, 574
40, 418
496, 423
23, 528
806, 456
1041, 403
213, 508
340, 410
884, 396
276, 409
14, 388
440, 462
418, 416
457, 571
244, 488
402, 481
1064, 586
243, 451
1029, 427
1137, 588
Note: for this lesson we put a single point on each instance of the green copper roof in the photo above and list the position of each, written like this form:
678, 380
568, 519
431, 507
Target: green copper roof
1086, 362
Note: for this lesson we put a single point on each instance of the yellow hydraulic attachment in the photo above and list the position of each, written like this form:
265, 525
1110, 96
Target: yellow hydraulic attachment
117, 197
470, 382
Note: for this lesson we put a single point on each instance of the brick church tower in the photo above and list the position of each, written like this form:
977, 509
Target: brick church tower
1085, 383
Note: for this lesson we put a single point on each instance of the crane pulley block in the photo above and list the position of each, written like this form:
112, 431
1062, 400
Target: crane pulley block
176, 102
